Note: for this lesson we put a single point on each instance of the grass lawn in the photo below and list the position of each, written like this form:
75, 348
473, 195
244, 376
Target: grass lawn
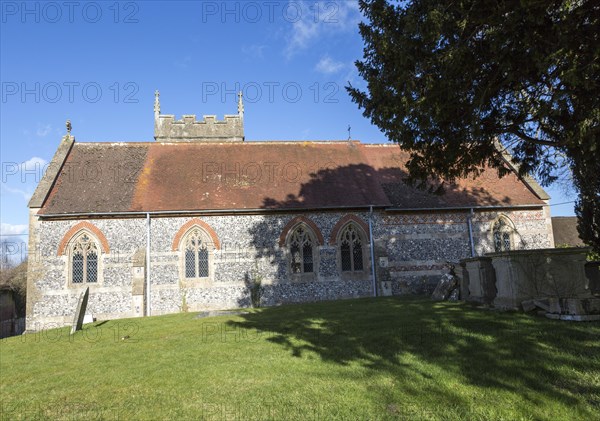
367, 359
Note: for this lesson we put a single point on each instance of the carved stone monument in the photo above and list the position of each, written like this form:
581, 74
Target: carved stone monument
542, 273
481, 279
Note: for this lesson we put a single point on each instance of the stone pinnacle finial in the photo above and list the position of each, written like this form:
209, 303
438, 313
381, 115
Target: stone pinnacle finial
156, 104
240, 104
69, 127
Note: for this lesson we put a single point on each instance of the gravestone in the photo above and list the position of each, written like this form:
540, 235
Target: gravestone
444, 287
80, 312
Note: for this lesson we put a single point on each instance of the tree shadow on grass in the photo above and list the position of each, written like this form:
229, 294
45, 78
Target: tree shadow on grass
535, 358
507, 352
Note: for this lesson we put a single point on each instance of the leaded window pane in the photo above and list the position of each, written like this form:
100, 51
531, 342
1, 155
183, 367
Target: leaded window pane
506, 241
203, 263
351, 249
308, 257
346, 257
77, 268
92, 267
295, 252
84, 265
196, 262
190, 264
497, 241
357, 255
301, 251
501, 233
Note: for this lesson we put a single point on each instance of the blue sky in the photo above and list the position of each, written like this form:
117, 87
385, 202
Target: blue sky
99, 63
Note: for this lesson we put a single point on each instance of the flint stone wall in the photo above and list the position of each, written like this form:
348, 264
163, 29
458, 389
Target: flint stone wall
410, 254
417, 246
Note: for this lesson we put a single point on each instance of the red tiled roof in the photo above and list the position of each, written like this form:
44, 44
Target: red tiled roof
144, 177
565, 231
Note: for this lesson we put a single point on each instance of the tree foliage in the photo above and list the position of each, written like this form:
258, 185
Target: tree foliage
456, 82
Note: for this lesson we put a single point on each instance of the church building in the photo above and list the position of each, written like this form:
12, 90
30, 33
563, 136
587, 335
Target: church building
196, 218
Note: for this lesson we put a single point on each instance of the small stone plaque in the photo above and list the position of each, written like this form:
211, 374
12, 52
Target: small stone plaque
383, 262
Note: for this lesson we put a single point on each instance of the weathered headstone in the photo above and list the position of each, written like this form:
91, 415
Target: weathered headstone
446, 284
80, 312
454, 295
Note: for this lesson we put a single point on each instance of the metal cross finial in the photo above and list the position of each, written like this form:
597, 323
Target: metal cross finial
240, 104
69, 127
349, 134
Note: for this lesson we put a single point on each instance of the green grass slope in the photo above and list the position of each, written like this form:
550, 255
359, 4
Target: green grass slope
368, 359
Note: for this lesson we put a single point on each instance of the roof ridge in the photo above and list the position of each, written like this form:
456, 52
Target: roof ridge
247, 142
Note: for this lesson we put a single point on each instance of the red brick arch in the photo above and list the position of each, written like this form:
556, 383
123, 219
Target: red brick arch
342, 223
296, 221
75, 229
192, 223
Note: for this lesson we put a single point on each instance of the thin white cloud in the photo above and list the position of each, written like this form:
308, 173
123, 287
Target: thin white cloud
44, 131
328, 66
303, 32
10, 229
27, 174
33, 164
25, 194
318, 19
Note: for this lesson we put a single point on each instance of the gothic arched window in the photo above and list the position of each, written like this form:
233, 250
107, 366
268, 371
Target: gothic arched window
502, 232
196, 248
351, 249
301, 247
84, 259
